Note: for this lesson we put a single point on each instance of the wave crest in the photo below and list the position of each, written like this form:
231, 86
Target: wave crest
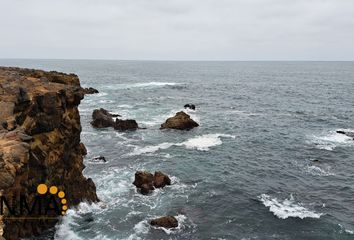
287, 208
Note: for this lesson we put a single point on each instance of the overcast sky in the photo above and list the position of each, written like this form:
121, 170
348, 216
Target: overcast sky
178, 29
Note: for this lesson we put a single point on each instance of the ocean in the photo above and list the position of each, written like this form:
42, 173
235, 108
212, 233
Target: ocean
265, 162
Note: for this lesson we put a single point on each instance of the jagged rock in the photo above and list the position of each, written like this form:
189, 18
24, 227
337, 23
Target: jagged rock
161, 180
166, 222
40, 141
349, 134
123, 125
180, 121
90, 90
100, 158
102, 118
190, 106
146, 182
143, 177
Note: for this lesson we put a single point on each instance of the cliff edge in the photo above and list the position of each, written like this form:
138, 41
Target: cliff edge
39, 144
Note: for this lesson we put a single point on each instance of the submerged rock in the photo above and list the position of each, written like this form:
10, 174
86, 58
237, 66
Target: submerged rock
349, 134
100, 158
181, 121
146, 181
190, 106
166, 222
90, 90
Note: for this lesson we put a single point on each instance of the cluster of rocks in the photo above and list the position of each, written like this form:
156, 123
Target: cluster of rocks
147, 182
40, 142
102, 119
90, 90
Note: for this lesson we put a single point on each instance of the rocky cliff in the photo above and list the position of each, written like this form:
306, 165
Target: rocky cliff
40, 142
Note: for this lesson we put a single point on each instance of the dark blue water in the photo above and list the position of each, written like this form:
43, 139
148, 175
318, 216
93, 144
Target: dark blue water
246, 173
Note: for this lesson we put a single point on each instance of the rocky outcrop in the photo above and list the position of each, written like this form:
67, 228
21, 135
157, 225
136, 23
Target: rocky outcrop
190, 106
166, 222
123, 125
349, 134
102, 119
181, 121
90, 90
99, 159
40, 142
161, 180
146, 181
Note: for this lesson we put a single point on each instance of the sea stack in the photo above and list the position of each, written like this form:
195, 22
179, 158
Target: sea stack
40, 144
181, 121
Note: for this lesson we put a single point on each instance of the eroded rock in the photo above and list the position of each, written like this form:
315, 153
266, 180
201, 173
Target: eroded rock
124, 125
161, 180
40, 141
90, 90
146, 181
181, 121
190, 106
166, 222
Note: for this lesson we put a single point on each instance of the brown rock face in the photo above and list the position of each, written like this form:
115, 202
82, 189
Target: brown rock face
147, 182
166, 222
180, 121
161, 180
144, 181
40, 142
90, 90
124, 125
102, 119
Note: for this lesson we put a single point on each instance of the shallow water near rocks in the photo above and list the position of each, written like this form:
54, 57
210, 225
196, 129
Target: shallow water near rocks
248, 171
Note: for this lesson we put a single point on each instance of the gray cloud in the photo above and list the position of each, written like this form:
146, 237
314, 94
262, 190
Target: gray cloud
178, 29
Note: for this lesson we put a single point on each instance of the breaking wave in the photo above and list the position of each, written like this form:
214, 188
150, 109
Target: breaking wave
201, 143
331, 140
287, 208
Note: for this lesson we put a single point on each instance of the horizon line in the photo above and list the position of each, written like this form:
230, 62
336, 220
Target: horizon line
175, 60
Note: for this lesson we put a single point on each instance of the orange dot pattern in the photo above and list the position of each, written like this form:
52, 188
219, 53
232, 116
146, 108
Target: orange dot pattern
43, 189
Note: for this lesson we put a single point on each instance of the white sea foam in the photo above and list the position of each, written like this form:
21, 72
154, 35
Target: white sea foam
64, 227
201, 143
331, 140
318, 171
287, 208
347, 231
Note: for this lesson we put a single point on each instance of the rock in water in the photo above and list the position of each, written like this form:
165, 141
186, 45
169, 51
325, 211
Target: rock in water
90, 90
102, 118
349, 134
161, 180
40, 142
123, 125
147, 182
144, 181
166, 222
180, 121
190, 106
100, 158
